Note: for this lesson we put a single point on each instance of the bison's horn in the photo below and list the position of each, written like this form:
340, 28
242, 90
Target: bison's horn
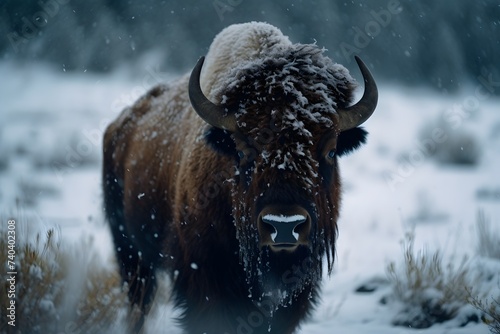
208, 111
355, 115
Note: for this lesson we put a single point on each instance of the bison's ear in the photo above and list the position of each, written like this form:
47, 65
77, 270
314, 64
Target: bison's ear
221, 141
350, 140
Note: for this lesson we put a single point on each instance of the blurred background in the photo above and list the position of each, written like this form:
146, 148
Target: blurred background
429, 168
433, 43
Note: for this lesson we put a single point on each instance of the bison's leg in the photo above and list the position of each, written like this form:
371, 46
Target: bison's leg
137, 272
139, 276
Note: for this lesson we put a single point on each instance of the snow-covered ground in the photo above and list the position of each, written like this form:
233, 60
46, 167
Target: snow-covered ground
51, 124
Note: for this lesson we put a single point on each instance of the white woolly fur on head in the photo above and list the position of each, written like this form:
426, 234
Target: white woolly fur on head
234, 44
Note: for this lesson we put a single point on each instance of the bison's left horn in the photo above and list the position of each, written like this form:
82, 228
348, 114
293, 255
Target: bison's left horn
208, 111
355, 115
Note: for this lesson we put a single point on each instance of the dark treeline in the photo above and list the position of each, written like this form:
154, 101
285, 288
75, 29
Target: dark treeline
438, 43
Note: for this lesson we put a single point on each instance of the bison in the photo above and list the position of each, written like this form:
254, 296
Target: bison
228, 180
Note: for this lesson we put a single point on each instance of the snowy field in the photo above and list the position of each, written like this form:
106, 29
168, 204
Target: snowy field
430, 165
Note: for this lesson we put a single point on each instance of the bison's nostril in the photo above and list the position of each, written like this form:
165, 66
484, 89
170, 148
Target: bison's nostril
283, 228
270, 229
295, 233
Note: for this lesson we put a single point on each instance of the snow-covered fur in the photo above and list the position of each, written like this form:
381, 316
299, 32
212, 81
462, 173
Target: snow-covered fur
235, 45
186, 196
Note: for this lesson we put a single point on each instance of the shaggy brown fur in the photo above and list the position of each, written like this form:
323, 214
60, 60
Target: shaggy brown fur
184, 196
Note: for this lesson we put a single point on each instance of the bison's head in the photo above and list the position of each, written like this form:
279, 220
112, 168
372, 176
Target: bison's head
284, 120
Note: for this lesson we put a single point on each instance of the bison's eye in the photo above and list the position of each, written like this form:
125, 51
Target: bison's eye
330, 155
246, 155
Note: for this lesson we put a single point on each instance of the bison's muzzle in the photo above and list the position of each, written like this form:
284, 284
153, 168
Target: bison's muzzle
283, 227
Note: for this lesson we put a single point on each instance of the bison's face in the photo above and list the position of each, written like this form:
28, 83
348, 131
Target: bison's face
284, 123
287, 185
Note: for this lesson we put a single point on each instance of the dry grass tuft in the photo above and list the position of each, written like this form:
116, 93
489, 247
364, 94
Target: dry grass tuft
60, 290
488, 246
39, 282
100, 303
490, 310
429, 290
488, 243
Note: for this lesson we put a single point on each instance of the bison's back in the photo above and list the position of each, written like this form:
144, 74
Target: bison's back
143, 153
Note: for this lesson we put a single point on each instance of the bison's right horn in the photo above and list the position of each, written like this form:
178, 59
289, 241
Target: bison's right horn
208, 111
355, 115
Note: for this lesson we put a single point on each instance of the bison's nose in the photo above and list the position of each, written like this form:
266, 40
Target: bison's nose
284, 228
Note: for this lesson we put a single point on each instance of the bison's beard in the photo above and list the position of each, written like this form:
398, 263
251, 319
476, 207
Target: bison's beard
277, 278
284, 275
